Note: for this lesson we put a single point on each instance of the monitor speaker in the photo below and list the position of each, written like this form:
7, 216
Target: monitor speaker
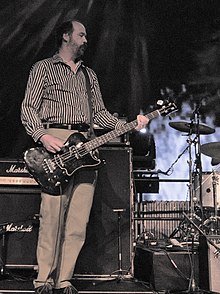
209, 263
165, 270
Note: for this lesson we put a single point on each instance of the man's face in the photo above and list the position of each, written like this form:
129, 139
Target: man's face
77, 40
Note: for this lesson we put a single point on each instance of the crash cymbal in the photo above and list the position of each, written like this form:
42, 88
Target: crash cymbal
211, 149
190, 127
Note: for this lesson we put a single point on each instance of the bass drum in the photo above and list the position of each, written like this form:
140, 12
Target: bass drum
207, 194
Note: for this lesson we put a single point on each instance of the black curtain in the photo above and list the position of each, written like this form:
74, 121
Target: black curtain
135, 46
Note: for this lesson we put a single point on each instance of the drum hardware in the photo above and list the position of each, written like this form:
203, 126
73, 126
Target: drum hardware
217, 251
193, 127
212, 224
190, 128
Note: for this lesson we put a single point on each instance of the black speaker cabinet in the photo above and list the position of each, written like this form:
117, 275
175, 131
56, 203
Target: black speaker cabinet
209, 263
100, 252
164, 270
19, 209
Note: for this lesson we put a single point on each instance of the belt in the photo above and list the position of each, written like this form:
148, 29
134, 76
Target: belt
83, 127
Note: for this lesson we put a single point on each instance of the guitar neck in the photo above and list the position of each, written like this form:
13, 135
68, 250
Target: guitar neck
101, 140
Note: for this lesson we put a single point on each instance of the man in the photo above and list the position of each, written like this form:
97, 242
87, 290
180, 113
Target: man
55, 106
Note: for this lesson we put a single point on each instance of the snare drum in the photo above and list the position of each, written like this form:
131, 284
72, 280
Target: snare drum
207, 189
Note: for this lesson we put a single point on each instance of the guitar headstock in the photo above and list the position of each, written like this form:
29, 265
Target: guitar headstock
166, 107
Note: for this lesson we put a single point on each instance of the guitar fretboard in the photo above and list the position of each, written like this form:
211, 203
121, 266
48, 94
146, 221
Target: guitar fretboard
101, 140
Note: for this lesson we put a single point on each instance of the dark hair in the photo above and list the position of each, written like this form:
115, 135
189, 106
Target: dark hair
65, 28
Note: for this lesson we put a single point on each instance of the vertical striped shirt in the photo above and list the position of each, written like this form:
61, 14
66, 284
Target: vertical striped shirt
55, 94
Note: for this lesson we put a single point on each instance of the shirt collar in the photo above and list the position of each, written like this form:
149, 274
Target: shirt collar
56, 59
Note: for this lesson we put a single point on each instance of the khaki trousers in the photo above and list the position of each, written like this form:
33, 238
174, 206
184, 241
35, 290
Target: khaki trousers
63, 222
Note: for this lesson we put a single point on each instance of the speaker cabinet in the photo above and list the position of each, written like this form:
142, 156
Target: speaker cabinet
164, 270
209, 264
100, 252
19, 209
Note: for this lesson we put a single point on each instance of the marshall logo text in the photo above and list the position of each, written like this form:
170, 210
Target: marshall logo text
13, 169
18, 228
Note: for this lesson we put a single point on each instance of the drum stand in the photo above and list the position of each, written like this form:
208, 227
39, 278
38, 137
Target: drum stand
189, 226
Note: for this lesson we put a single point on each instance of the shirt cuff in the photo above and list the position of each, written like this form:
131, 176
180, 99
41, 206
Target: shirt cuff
38, 133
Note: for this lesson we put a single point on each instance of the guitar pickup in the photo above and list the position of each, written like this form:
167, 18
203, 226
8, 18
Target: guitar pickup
50, 166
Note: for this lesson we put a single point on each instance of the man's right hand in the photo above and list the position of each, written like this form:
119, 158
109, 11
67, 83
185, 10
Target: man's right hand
51, 143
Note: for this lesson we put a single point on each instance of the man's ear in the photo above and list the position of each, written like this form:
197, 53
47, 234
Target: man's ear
66, 37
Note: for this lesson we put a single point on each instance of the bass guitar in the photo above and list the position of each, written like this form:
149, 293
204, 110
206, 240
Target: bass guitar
53, 171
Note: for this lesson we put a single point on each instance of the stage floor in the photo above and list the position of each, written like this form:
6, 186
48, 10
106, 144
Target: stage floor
93, 286
21, 284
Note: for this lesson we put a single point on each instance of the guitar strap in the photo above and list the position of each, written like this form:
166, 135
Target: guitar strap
91, 133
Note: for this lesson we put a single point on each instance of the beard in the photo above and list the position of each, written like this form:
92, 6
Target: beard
81, 50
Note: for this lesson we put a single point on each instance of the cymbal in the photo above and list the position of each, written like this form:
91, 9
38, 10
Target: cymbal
211, 149
190, 127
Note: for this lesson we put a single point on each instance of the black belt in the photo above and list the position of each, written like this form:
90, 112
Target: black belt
83, 127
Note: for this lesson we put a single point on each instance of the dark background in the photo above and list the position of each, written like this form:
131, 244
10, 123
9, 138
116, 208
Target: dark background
139, 49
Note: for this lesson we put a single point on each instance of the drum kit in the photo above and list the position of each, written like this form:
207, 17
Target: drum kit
204, 187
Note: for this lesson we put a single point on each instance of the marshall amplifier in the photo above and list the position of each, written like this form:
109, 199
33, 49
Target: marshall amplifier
19, 210
13, 172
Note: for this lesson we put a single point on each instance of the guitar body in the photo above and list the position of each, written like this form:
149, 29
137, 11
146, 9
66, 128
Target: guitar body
53, 171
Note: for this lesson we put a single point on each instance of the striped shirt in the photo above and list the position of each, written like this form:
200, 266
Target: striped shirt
55, 94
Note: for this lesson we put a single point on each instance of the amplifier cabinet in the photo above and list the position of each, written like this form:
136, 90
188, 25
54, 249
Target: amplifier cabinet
20, 205
164, 270
113, 191
209, 263
19, 224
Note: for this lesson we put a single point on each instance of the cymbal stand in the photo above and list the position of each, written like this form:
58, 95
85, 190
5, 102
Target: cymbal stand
192, 286
181, 227
191, 192
214, 183
198, 151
